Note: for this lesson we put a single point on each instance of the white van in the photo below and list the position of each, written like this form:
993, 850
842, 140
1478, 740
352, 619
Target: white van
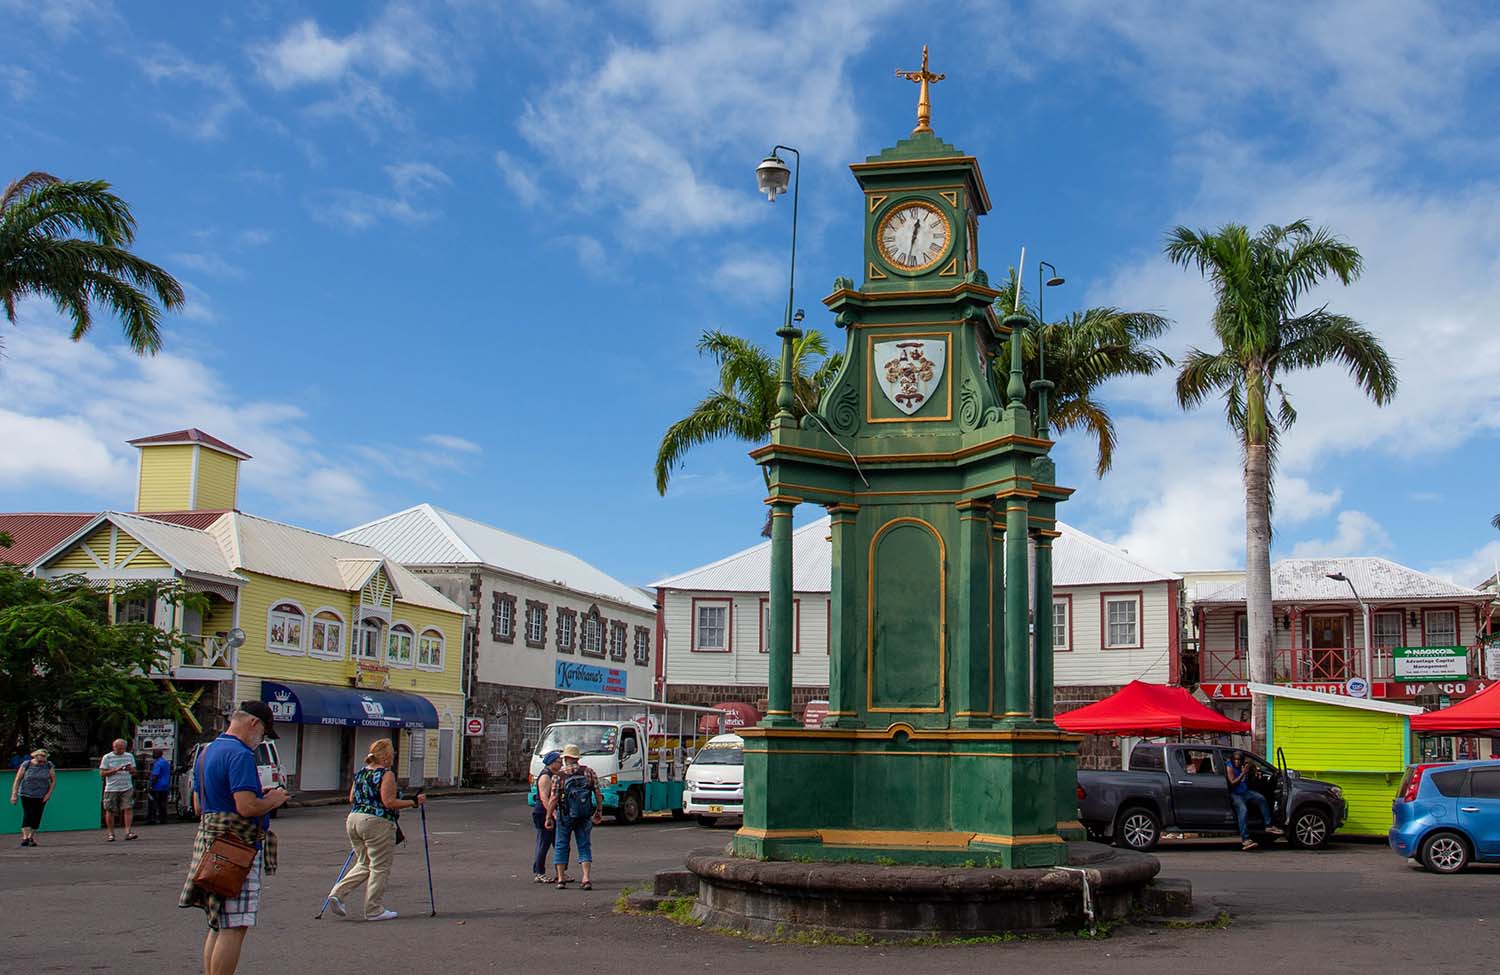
716, 780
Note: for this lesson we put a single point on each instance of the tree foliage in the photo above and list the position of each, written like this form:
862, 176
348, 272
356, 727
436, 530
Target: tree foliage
743, 405
1083, 352
61, 657
69, 242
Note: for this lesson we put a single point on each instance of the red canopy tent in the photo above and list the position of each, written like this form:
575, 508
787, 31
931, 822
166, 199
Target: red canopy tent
1478, 714
1145, 709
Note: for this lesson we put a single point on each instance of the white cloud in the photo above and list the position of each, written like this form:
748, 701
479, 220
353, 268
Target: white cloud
641, 129
253, 237
219, 97
1357, 534
449, 442
16, 80
413, 176
303, 55
518, 177
750, 277
207, 262
71, 407
1470, 569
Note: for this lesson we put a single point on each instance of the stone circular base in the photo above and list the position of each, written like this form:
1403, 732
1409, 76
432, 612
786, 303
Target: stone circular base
776, 897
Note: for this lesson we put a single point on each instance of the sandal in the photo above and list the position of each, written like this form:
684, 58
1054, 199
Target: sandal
132, 836
588, 885
562, 885
110, 838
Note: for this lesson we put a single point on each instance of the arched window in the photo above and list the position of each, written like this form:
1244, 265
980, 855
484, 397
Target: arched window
430, 649
284, 628
531, 727
367, 639
398, 646
327, 634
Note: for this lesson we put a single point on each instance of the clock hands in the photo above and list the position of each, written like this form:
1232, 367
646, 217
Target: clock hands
912, 250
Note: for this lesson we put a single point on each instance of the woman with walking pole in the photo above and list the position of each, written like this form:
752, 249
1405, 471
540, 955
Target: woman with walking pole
372, 832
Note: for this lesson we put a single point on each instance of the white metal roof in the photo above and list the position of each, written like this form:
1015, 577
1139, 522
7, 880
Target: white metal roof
1077, 560
288, 552
427, 535
186, 550
1337, 700
1376, 579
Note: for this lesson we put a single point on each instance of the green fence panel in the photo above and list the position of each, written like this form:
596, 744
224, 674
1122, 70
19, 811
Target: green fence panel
75, 804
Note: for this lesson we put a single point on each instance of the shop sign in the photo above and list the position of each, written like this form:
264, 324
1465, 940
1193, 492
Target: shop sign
814, 713
283, 706
1357, 687
1240, 691
1430, 663
588, 679
157, 733
474, 727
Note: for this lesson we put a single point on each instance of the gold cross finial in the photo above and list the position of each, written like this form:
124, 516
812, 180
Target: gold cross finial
924, 104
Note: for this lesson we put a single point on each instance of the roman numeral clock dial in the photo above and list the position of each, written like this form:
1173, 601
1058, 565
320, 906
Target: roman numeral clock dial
913, 236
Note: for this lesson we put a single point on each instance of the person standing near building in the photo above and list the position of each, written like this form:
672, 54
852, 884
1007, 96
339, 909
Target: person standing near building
541, 815
34, 783
372, 832
161, 786
117, 768
229, 800
577, 807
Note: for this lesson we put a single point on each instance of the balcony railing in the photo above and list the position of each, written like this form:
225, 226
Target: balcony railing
1314, 664
208, 652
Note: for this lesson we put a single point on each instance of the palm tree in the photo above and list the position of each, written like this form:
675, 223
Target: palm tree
1084, 351
745, 403
70, 242
1257, 283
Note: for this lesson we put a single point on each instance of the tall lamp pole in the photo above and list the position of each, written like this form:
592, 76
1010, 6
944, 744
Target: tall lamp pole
1041, 384
1364, 615
772, 177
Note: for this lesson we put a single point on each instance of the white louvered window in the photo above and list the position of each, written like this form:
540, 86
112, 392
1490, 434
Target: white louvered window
711, 628
1440, 628
1060, 610
1122, 627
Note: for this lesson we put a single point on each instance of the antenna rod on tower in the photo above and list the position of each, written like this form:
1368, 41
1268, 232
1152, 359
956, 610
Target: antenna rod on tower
1020, 270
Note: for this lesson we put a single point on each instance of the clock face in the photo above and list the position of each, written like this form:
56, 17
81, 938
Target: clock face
913, 236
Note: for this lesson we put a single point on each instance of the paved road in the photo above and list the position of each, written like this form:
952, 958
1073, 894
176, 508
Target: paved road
79, 904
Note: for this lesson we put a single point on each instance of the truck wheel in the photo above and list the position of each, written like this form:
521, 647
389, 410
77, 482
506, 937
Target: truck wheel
708, 821
1138, 828
629, 812
679, 814
1444, 853
1310, 830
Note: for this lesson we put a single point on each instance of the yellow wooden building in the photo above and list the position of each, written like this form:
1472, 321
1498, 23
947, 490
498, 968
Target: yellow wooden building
345, 645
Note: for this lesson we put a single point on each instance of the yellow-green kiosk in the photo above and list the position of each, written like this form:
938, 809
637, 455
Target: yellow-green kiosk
1360, 745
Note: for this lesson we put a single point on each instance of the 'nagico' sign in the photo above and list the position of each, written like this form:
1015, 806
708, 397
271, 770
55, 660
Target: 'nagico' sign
588, 679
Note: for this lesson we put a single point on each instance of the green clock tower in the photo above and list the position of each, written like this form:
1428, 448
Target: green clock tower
939, 746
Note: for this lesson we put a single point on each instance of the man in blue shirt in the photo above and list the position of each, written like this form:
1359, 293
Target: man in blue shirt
161, 785
1239, 772
229, 800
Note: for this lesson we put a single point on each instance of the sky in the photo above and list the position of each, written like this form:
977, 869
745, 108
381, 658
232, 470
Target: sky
461, 252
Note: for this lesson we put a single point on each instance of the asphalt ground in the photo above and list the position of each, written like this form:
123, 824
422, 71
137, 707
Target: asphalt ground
79, 904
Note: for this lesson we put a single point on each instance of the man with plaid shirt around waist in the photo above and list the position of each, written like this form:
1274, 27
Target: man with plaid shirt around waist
229, 799
577, 806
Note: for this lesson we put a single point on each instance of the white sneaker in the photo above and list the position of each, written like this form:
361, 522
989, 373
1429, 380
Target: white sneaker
386, 915
338, 907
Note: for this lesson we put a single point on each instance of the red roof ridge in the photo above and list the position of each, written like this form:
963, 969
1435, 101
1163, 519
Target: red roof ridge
191, 435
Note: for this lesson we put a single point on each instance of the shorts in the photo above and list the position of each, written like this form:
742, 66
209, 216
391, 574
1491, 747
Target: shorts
118, 802
240, 911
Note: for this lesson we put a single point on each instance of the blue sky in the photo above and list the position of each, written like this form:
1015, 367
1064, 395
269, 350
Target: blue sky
460, 252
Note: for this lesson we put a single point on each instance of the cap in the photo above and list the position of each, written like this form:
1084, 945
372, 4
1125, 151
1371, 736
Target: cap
260, 710
571, 751
551, 757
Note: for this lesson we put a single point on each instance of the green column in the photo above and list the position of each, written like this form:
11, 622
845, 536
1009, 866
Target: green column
997, 612
779, 713
969, 668
1017, 642
1041, 693
845, 630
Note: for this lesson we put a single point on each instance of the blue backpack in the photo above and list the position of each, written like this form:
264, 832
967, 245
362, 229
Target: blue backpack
578, 796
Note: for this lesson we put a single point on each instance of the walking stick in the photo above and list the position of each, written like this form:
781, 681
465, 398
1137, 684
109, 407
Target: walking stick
428, 854
342, 870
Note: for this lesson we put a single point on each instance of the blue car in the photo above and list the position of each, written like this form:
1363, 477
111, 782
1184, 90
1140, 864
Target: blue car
1448, 815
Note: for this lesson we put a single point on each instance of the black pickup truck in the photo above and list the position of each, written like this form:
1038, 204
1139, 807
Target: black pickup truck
1181, 788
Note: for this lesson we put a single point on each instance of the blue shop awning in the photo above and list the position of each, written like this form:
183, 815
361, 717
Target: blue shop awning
326, 704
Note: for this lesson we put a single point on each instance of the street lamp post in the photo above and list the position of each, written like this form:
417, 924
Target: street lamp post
772, 177
1041, 384
1364, 615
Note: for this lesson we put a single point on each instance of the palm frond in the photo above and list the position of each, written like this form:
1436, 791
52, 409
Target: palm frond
718, 416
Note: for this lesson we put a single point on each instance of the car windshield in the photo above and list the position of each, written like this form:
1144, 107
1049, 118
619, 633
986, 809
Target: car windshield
725, 754
591, 739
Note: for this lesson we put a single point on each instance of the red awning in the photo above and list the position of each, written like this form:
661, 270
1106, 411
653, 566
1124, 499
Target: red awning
1147, 709
1476, 714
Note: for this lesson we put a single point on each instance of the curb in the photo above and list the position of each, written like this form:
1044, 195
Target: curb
343, 800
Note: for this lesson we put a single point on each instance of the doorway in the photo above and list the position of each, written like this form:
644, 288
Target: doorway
1328, 639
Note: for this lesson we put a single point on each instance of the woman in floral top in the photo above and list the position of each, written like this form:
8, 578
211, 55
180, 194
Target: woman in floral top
372, 832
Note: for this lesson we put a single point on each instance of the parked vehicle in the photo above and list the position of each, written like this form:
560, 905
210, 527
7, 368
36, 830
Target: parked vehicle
639, 750
267, 763
1447, 815
1176, 787
715, 785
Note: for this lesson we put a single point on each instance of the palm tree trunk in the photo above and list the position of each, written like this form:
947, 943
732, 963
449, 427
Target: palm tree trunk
1259, 622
